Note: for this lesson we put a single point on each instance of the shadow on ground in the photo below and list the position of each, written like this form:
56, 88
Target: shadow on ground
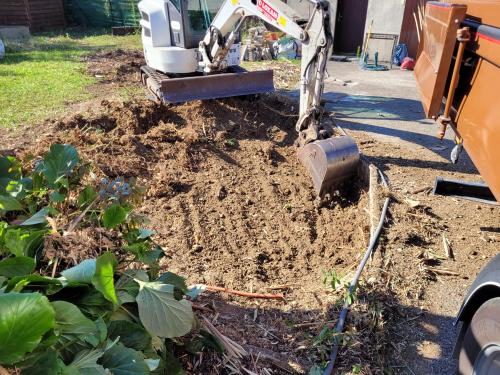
301, 337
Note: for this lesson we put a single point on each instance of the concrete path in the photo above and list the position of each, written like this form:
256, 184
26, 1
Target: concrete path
386, 105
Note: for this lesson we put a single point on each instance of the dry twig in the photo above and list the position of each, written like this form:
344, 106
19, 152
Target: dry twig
244, 294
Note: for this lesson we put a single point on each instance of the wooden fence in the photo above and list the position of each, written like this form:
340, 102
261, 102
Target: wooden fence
36, 14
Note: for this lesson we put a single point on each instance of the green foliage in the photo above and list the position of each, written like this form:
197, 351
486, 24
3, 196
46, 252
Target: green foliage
102, 318
161, 313
25, 318
18, 266
121, 360
103, 279
70, 322
113, 216
330, 278
58, 164
9, 203
130, 334
21, 242
83, 272
39, 218
87, 196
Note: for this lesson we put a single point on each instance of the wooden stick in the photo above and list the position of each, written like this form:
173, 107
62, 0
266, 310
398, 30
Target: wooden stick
276, 359
244, 294
443, 272
372, 192
54, 268
233, 349
447, 248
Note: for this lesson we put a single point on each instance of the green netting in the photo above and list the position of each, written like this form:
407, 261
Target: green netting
103, 13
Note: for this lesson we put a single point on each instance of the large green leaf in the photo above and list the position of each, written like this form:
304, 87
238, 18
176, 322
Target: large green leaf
103, 279
71, 321
131, 335
10, 168
9, 203
18, 283
92, 303
113, 216
38, 218
124, 361
58, 163
21, 241
47, 362
175, 280
24, 319
18, 188
126, 288
172, 364
82, 272
159, 311
18, 266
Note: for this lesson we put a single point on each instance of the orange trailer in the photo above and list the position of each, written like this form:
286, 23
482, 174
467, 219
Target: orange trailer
458, 77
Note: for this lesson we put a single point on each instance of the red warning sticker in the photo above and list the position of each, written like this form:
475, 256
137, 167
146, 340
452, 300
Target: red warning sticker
267, 9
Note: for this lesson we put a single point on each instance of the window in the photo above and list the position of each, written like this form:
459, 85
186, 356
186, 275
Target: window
201, 13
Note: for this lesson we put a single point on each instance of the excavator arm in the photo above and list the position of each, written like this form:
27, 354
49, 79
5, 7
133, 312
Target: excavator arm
316, 38
329, 158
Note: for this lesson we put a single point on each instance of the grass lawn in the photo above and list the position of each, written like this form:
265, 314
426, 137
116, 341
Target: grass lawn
40, 76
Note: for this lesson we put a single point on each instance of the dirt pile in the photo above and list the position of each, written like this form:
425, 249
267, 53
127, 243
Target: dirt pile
230, 203
116, 66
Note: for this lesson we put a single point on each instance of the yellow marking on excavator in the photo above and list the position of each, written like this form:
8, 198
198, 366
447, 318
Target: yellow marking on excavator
234, 2
282, 21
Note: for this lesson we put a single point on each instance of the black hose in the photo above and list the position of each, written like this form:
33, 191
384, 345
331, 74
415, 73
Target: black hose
352, 287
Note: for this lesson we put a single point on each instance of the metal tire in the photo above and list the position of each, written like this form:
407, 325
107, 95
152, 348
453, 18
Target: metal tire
480, 348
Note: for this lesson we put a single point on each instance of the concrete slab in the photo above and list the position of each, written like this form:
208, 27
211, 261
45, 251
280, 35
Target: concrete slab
14, 33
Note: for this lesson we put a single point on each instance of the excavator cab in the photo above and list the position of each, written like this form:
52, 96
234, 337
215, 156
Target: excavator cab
171, 33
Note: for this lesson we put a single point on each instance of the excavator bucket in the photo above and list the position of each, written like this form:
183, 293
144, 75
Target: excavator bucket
330, 161
236, 82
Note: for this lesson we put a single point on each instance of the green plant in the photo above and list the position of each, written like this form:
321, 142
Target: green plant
112, 314
231, 142
332, 279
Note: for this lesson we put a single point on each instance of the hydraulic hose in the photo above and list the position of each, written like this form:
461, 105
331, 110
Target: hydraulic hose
352, 287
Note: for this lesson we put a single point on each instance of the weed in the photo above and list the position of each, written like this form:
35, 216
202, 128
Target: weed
231, 142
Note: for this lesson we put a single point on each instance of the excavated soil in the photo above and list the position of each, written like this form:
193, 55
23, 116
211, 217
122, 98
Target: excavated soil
116, 66
230, 203
233, 207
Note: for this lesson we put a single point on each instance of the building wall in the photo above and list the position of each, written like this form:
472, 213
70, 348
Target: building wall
387, 16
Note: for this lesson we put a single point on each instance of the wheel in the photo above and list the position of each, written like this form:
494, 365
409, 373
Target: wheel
480, 350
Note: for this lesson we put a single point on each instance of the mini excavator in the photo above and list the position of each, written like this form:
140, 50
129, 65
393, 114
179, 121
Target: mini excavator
192, 52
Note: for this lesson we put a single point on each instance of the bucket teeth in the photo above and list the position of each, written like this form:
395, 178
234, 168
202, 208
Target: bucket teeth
330, 161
